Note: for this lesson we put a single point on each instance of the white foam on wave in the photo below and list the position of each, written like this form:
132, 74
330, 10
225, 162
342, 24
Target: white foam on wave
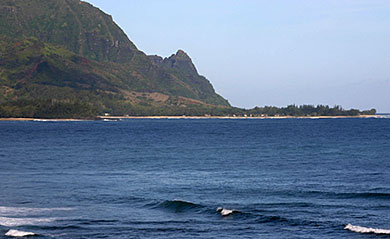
16, 233
226, 212
15, 222
360, 229
23, 211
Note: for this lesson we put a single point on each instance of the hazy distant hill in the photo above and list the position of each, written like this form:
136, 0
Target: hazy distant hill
57, 54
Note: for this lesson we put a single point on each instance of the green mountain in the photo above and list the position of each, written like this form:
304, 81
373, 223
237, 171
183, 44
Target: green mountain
66, 58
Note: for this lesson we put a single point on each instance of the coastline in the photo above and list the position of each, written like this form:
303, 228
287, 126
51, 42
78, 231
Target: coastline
194, 117
238, 117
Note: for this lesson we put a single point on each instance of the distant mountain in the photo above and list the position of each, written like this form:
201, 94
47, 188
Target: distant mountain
58, 55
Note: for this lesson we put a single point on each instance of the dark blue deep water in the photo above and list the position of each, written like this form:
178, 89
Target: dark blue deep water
290, 178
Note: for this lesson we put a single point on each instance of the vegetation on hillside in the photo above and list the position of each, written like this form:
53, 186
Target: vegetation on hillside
68, 49
73, 24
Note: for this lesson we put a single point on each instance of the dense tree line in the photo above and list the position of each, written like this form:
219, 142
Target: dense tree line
307, 110
45, 108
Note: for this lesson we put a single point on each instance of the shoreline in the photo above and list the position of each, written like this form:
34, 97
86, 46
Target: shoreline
193, 117
240, 117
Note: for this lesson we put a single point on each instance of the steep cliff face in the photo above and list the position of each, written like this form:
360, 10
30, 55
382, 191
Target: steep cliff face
73, 24
75, 50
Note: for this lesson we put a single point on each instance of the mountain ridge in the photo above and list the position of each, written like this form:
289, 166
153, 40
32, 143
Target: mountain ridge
71, 46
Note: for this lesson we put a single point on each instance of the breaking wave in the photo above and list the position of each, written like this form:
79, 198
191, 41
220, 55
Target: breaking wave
360, 229
179, 206
227, 212
16, 233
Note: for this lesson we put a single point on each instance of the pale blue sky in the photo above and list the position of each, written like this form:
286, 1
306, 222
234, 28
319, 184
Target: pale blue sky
261, 52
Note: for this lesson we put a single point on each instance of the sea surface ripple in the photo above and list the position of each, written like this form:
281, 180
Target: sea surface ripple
166, 178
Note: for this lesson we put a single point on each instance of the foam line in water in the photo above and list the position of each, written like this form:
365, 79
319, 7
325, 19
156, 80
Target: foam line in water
16, 233
15, 222
23, 211
360, 229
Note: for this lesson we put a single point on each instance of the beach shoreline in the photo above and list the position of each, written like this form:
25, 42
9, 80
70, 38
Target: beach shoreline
238, 117
194, 117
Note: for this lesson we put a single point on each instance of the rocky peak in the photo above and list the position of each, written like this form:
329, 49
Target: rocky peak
182, 55
157, 60
180, 61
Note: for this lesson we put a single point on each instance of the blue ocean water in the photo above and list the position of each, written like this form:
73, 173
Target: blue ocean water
290, 178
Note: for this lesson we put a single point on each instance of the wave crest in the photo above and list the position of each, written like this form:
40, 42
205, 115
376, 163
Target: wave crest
227, 212
360, 229
178, 205
16, 233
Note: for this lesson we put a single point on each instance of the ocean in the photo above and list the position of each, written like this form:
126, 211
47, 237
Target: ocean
166, 178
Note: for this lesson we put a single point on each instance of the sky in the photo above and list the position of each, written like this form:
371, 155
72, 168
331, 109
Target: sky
261, 52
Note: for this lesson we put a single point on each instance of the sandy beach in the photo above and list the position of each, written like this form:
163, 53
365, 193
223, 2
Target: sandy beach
195, 117
237, 117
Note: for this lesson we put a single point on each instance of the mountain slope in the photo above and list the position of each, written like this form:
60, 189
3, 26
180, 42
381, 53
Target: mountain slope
64, 50
73, 24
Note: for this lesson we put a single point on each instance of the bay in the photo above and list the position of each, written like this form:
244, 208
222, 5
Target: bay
165, 178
